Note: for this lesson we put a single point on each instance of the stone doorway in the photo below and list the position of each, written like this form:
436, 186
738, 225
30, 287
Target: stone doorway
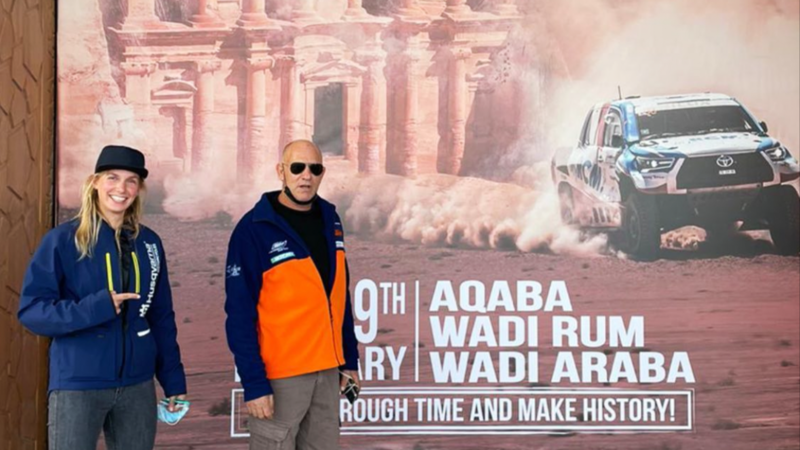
329, 115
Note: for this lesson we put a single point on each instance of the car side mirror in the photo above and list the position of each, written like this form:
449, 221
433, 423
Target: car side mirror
616, 141
764, 126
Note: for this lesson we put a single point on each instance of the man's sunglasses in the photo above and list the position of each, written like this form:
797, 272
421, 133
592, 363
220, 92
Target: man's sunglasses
297, 168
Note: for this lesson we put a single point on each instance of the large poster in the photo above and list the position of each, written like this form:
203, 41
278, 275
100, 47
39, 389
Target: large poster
570, 224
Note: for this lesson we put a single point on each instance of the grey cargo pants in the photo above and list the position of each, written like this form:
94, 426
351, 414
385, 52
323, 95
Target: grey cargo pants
306, 414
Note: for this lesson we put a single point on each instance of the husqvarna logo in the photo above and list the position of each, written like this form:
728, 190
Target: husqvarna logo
155, 268
725, 161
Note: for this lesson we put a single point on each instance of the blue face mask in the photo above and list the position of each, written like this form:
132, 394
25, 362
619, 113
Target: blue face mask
169, 417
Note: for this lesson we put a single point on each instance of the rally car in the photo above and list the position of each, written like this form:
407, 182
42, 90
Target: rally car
644, 166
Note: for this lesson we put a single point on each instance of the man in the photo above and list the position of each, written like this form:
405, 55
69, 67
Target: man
290, 324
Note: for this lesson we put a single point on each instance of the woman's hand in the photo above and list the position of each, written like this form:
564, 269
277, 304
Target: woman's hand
118, 299
173, 404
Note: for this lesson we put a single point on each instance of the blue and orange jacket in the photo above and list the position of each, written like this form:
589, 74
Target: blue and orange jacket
281, 321
69, 300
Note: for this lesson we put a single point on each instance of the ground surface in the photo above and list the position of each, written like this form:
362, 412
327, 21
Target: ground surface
736, 311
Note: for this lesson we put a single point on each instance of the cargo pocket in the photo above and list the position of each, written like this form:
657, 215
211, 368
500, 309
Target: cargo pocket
267, 434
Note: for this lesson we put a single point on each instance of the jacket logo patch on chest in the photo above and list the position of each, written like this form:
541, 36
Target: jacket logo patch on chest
155, 267
281, 257
279, 247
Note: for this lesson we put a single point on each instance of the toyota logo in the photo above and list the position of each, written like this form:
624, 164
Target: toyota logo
725, 161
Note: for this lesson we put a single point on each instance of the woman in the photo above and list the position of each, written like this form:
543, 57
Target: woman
98, 286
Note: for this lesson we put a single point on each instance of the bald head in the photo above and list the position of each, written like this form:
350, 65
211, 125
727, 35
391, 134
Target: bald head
301, 172
301, 146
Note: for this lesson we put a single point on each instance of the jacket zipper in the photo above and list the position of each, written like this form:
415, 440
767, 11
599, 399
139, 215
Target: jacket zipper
330, 306
330, 316
135, 264
324, 288
109, 272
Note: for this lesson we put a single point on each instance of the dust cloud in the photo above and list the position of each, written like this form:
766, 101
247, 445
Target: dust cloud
743, 48
430, 210
445, 210
567, 56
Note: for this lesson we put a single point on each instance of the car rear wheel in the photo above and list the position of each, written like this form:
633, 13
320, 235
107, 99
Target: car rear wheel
641, 234
784, 221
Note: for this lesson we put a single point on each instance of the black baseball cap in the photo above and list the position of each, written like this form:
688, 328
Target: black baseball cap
121, 157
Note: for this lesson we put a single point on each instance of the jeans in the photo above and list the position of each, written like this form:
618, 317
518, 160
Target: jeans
127, 416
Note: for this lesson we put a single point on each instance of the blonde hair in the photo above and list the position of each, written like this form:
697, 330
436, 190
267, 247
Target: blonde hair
89, 217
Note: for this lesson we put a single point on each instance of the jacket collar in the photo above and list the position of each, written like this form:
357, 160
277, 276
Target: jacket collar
263, 211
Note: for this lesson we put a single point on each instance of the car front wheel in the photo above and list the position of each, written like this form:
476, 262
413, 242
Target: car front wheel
784, 221
641, 234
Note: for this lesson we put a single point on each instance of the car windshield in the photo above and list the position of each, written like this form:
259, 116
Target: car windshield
655, 124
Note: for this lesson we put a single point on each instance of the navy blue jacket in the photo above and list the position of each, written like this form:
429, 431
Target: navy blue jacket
68, 300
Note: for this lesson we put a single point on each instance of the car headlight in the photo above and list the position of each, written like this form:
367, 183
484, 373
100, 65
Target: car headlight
648, 164
778, 153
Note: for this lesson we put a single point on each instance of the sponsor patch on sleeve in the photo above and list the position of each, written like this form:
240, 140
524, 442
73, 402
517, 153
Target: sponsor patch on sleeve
279, 247
233, 270
281, 257
339, 244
